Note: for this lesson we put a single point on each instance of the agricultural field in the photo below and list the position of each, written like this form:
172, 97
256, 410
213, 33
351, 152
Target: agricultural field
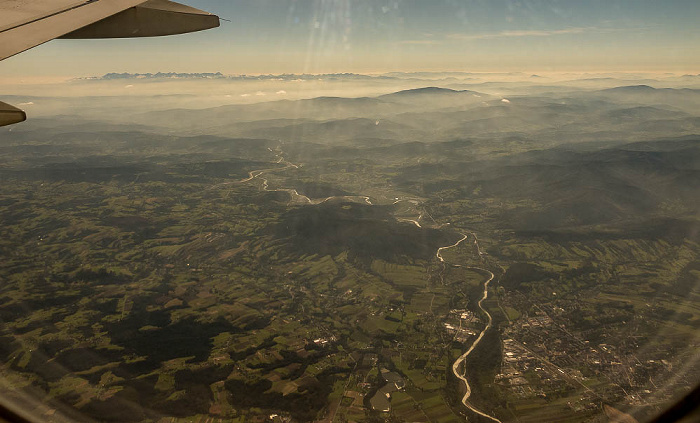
352, 265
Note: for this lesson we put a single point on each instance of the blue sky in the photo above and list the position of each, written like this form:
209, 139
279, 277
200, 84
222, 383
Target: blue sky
316, 36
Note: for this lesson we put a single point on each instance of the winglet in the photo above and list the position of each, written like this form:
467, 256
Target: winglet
10, 114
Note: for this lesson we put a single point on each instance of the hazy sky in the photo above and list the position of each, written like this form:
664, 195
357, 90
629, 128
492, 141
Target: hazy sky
318, 36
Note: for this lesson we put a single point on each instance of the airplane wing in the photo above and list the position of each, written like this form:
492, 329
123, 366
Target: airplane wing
10, 114
28, 23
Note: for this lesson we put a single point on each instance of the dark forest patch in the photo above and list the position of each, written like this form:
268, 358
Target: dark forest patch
522, 273
365, 231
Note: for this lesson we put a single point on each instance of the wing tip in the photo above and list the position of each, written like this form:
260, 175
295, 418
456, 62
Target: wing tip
9, 115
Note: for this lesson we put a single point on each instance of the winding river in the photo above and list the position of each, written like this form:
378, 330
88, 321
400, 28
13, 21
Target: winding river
299, 198
460, 361
294, 195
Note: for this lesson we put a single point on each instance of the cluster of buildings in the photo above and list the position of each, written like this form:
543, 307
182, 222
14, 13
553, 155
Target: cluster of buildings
461, 324
381, 401
542, 358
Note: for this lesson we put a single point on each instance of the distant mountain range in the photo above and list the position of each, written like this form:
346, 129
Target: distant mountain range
219, 75
170, 75
355, 76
